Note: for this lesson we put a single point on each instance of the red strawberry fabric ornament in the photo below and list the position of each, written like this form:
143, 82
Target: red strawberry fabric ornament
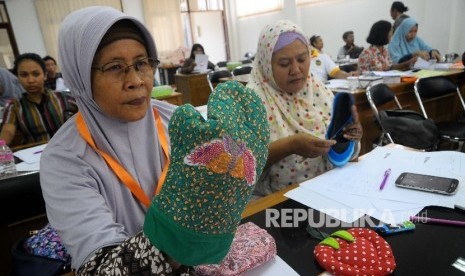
357, 251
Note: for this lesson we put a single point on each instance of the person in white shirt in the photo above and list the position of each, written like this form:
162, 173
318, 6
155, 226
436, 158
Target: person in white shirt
323, 67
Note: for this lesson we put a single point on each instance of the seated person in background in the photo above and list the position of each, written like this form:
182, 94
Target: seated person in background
405, 44
377, 57
350, 48
317, 43
40, 112
323, 67
10, 88
52, 74
189, 64
298, 107
397, 14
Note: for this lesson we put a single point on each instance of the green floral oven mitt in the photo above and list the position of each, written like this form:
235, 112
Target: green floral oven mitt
214, 166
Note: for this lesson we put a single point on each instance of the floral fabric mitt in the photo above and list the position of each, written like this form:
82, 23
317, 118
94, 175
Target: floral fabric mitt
213, 169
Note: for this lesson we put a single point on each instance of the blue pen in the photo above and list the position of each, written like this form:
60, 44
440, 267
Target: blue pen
385, 177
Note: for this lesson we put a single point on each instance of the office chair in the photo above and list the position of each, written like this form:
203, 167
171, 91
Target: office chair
428, 88
214, 77
222, 64
242, 70
400, 126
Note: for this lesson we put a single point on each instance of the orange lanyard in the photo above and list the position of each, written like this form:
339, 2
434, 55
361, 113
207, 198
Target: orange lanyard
120, 172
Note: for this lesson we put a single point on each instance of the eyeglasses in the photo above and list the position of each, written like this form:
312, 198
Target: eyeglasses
117, 70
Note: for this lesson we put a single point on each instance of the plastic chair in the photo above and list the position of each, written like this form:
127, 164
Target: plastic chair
428, 88
242, 70
214, 77
398, 125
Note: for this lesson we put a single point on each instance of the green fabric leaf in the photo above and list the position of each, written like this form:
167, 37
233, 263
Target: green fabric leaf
343, 234
330, 241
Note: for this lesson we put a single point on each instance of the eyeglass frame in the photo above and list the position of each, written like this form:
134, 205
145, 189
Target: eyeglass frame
126, 71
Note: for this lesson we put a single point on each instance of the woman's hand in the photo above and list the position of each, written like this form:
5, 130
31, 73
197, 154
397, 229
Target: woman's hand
423, 54
436, 55
309, 146
353, 131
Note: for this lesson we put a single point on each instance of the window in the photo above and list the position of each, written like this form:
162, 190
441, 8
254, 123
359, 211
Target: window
52, 12
247, 7
309, 2
8, 47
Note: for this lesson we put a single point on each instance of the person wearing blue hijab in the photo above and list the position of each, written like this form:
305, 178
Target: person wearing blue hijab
405, 43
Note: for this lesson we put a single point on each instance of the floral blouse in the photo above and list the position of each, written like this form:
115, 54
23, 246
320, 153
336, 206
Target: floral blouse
374, 59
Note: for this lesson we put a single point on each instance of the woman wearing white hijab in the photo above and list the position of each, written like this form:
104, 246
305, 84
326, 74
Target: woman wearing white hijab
298, 106
10, 88
117, 141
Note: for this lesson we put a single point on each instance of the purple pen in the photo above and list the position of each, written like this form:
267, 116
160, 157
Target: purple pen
385, 177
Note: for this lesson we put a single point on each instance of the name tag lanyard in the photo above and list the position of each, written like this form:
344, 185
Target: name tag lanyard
121, 172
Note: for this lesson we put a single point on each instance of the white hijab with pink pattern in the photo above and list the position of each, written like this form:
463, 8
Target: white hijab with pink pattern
308, 111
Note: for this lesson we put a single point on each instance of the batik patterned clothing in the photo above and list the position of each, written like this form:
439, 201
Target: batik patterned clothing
374, 59
39, 122
306, 111
134, 256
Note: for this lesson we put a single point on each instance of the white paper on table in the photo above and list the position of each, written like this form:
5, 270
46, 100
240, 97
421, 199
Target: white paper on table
275, 267
30, 155
422, 64
26, 167
337, 84
324, 204
356, 186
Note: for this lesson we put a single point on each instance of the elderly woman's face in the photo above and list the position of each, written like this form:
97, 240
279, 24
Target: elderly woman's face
290, 66
412, 33
31, 76
126, 98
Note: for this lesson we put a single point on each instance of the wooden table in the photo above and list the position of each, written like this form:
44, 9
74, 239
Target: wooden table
175, 98
193, 87
440, 109
258, 205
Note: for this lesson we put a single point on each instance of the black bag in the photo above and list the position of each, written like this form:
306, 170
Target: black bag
410, 129
24, 263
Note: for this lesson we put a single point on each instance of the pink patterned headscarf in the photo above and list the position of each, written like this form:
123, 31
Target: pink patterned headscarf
306, 111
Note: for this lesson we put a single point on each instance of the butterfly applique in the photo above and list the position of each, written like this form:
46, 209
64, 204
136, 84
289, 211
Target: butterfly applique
223, 156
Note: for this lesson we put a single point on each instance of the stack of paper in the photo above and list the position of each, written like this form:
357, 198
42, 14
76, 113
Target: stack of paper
30, 158
352, 191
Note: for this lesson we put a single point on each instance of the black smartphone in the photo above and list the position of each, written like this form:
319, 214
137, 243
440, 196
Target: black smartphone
427, 183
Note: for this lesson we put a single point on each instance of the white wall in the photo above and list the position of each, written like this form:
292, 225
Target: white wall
440, 23
26, 26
